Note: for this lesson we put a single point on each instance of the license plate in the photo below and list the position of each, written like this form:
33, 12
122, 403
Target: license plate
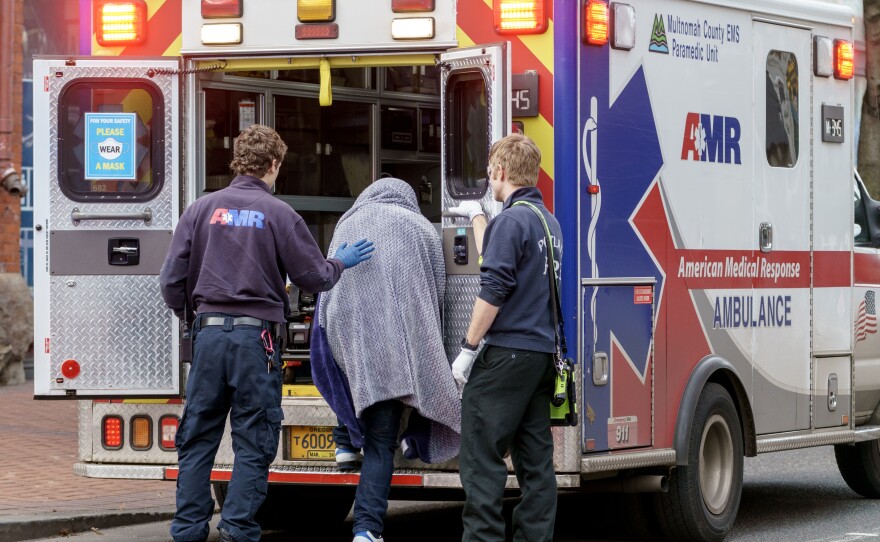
310, 442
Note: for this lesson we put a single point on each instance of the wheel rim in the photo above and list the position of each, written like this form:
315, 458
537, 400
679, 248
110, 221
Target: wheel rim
716, 464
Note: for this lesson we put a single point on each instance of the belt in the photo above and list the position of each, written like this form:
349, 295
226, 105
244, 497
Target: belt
237, 321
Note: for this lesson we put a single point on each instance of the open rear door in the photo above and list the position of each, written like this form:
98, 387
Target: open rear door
106, 178
475, 102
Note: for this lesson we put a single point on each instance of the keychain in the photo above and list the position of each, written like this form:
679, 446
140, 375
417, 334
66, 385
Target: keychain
269, 347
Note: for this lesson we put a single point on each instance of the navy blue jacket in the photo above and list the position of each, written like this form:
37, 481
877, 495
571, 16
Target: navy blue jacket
232, 251
513, 275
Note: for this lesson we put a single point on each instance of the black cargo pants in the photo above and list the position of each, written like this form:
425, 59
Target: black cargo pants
506, 405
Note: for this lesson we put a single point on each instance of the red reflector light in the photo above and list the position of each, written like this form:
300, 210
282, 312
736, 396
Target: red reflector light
168, 431
111, 432
595, 22
519, 16
70, 368
593, 189
212, 9
120, 23
316, 31
406, 6
844, 59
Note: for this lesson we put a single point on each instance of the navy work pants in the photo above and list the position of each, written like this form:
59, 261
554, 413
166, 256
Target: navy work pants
506, 405
230, 372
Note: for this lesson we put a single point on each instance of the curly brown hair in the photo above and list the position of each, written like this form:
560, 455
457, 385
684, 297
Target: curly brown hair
255, 148
519, 155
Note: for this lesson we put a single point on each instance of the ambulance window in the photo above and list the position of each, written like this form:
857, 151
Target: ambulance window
782, 109
860, 217
112, 133
339, 77
468, 135
413, 79
227, 113
321, 226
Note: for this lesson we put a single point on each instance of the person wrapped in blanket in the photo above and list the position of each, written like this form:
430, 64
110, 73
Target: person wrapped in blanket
377, 348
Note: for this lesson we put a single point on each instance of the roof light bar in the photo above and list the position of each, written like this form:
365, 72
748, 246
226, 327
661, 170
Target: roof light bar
519, 16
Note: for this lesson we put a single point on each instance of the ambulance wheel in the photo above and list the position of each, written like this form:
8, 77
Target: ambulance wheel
286, 506
704, 495
860, 467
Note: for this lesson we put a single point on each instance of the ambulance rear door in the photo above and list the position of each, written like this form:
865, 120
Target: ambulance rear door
475, 112
106, 178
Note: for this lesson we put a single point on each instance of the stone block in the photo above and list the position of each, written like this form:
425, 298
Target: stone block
16, 327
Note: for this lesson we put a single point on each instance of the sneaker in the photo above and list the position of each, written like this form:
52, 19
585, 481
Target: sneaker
348, 459
367, 536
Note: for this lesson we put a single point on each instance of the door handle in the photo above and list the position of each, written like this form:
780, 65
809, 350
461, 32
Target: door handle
76, 216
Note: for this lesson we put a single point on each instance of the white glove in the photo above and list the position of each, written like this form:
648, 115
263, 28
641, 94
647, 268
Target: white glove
461, 367
469, 209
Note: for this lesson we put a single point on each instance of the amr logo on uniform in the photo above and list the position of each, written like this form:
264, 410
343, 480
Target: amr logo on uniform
711, 138
236, 217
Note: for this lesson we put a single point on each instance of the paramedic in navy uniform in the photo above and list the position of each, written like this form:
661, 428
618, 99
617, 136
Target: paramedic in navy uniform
225, 272
506, 399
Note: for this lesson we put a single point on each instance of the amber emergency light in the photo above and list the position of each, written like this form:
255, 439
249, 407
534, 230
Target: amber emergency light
141, 433
315, 11
213, 9
120, 23
844, 59
519, 16
595, 22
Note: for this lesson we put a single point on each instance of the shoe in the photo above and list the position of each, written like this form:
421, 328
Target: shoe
367, 536
348, 459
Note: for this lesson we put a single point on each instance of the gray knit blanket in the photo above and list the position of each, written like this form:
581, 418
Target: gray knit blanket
382, 319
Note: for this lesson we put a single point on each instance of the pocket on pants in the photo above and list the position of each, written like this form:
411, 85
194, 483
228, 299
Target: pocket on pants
269, 445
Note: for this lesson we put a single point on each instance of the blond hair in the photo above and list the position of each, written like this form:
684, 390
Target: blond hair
255, 148
518, 155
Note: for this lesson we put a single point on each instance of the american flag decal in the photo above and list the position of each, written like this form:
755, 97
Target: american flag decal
866, 320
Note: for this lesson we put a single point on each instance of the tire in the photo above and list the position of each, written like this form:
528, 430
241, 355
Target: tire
860, 467
286, 506
704, 496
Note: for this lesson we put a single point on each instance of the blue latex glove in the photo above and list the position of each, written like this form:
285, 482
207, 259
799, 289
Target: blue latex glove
351, 255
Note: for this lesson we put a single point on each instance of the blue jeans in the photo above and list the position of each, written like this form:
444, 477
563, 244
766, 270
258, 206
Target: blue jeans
230, 371
381, 426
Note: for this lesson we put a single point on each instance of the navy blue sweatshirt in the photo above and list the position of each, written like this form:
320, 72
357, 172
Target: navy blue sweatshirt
232, 251
513, 275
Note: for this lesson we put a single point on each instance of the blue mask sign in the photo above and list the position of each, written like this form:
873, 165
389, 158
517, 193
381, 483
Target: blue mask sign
110, 146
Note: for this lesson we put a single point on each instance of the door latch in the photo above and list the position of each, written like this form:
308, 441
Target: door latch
124, 251
600, 368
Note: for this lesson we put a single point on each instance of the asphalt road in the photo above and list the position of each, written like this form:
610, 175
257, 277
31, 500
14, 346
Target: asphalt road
797, 496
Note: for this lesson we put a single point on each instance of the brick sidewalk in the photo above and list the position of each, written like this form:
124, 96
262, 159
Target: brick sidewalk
38, 447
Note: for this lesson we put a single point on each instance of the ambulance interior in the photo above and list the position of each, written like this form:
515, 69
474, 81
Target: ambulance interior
383, 121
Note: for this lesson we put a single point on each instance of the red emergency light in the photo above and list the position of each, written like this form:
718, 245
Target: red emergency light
844, 59
408, 6
213, 9
596, 22
519, 16
120, 23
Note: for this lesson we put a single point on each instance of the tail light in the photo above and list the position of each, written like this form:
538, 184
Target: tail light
168, 431
844, 59
120, 23
595, 22
112, 432
519, 16
212, 9
141, 433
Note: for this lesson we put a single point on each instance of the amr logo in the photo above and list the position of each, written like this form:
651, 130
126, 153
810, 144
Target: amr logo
711, 138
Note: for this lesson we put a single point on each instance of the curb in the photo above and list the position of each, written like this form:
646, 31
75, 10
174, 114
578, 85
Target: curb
30, 527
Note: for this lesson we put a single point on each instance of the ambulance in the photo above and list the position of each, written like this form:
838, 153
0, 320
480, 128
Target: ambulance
721, 261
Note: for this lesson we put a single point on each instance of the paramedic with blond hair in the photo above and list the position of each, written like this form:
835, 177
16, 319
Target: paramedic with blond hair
508, 384
225, 272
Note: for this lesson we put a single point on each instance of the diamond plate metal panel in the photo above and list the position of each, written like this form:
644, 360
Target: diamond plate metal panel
461, 290
84, 411
155, 455
125, 472
116, 327
61, 207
